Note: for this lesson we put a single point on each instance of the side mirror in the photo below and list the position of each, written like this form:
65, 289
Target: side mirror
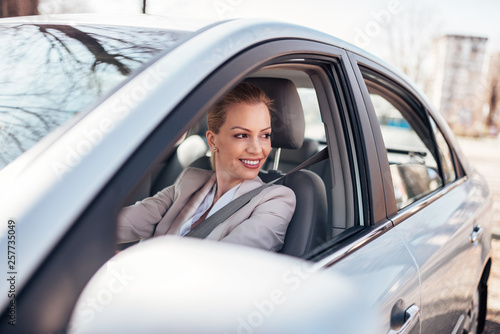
172, 285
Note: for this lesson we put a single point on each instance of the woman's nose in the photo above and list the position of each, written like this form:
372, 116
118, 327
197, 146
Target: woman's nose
254, 146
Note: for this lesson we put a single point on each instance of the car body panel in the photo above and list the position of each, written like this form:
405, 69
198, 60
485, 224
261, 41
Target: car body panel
385, 273
55, 187
450, 264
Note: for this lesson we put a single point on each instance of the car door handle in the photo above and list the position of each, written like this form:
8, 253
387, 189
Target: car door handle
412, 318
476, 235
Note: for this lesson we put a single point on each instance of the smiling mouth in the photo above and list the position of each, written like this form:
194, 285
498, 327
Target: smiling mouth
250, 163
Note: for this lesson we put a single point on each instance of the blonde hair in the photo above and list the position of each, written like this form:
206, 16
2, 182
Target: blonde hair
244, 92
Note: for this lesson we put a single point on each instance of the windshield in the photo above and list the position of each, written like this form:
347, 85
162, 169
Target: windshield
50, 73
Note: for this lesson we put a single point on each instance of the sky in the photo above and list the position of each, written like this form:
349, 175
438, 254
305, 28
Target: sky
361, 22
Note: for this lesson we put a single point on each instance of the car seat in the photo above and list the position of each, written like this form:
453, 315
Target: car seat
309, 225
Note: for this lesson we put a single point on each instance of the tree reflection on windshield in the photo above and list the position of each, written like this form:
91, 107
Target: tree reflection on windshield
49, 73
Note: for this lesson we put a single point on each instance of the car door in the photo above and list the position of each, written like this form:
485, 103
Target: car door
369, 251
430, 206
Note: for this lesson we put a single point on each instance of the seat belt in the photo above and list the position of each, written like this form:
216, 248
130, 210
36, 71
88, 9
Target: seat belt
205, 228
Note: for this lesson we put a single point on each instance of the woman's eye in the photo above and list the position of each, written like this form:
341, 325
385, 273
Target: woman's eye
242, 135
266, 135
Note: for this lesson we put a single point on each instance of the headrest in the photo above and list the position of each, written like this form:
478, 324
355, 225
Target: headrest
288, 124
191, 149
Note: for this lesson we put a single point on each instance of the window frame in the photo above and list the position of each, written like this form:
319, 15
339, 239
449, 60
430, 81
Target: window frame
416, 115
323, 57
412, 98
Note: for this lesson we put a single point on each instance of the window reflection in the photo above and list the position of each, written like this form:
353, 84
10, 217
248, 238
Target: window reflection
414, 170
49, 73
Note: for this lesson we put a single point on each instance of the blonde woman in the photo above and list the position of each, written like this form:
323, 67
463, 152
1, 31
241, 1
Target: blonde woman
239, 136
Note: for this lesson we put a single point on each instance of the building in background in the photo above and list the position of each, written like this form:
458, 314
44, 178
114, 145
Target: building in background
459, 85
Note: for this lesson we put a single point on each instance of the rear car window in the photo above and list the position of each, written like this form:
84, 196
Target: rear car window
49, 73
414, 169
409, 141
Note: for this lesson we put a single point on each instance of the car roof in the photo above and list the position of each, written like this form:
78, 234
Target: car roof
276, 28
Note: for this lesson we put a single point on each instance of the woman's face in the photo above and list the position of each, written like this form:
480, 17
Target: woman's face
242, 144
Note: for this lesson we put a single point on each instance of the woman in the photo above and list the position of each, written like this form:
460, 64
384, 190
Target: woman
239, 131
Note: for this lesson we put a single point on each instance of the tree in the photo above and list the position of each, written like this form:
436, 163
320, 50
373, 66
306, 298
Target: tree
10, 8
410, 35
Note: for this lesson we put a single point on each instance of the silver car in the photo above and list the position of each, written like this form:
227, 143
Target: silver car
391, 233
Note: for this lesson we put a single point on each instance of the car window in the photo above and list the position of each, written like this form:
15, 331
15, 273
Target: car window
409, 142
404, 146
337, 207
50, 73
315, 128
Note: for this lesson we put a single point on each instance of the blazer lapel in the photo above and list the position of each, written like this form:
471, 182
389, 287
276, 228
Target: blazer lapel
174, 218
191, 206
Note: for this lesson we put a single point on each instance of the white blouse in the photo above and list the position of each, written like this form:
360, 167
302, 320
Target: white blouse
205, 205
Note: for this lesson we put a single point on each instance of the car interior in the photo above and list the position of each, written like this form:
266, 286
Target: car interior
299, 132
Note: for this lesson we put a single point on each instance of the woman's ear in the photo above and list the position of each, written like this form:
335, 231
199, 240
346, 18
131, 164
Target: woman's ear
210, 139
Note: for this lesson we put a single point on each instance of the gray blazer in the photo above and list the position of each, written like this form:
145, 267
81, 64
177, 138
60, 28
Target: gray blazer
261, 223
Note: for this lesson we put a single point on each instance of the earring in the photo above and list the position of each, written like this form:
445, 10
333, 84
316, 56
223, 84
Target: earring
214, 148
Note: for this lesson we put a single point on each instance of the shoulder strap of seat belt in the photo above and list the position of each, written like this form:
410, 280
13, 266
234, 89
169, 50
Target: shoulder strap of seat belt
205, 228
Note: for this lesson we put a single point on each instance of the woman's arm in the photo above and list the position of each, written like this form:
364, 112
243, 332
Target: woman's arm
138, 221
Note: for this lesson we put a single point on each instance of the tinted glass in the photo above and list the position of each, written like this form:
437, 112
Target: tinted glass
414, 169
411, 149
50, 73
403, 143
